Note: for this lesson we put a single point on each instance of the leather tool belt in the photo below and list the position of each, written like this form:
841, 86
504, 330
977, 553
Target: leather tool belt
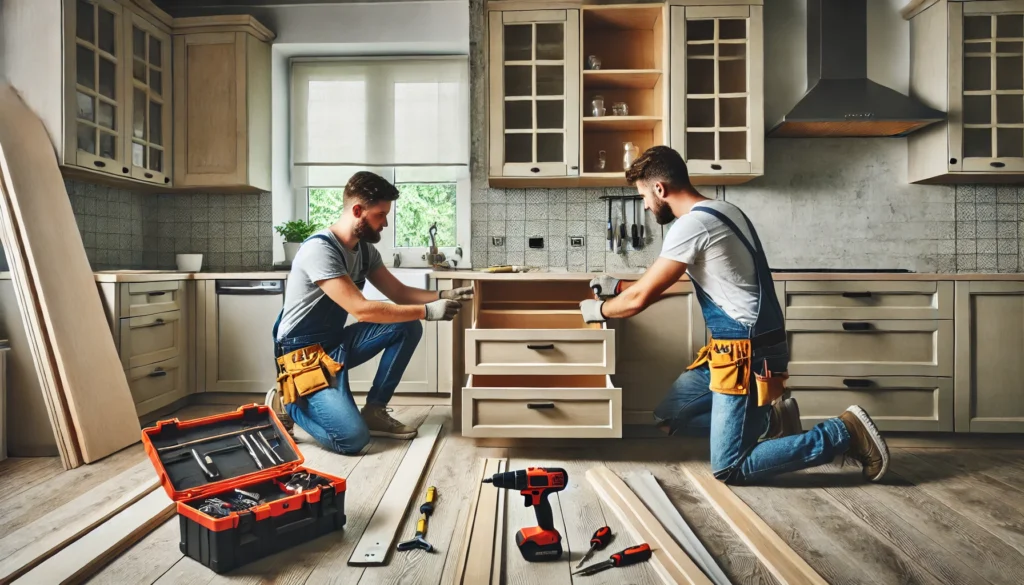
304, 371
730, 362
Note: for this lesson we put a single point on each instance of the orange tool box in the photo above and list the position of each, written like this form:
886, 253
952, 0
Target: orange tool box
240, 487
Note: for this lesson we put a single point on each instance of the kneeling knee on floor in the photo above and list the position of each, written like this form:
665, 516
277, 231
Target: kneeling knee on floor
353, 442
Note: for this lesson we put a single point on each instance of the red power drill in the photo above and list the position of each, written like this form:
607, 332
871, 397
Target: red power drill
543, 542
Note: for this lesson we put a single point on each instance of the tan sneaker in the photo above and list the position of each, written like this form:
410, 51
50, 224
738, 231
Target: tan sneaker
380, 423
866, 444
273, 400
784, 420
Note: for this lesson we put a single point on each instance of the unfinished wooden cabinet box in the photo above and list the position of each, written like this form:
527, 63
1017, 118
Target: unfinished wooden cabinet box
886, 345
717, 90
536, 368
98, 73
966, 60
222, 103
989, 368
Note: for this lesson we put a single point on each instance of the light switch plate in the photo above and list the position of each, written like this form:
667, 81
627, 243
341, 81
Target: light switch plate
576, 241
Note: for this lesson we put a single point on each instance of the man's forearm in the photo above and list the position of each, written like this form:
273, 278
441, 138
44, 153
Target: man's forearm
626, 304
380, 312
415, 296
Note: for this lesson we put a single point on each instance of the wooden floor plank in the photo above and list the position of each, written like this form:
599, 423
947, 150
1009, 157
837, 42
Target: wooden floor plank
20, 474
1009, 475
966, 494
517, 570
147, 560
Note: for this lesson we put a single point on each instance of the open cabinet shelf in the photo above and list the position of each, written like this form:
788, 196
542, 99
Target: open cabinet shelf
621, 79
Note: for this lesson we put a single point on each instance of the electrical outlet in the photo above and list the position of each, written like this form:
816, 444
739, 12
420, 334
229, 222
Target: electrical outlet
497, 241
576, 241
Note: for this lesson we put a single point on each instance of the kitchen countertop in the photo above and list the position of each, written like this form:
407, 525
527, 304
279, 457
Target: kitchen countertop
560, 275
164, 275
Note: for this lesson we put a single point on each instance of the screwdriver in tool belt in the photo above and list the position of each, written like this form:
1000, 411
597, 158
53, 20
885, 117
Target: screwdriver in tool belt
630, 556
602, 536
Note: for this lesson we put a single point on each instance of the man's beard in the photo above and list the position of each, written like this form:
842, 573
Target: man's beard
662, 212
366, 233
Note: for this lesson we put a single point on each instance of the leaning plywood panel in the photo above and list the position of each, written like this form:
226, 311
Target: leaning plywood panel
92, 380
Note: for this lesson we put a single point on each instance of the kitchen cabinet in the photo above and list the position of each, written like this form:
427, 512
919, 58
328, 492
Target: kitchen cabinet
222, 103
148, 100
989, 346
420, 376
966, 60
717, 91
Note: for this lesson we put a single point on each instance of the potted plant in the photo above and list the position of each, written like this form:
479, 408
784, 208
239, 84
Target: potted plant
294, 233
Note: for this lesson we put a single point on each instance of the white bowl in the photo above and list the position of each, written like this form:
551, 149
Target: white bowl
189, 262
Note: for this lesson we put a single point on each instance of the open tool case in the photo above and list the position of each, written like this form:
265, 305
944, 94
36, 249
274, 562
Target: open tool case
293, 505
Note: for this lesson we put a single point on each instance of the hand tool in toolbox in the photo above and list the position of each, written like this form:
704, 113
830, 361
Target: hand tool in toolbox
630, 556
542, 542
419, 539
240, 508
602, 536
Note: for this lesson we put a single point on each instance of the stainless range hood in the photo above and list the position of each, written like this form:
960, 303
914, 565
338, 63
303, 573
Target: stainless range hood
840, 99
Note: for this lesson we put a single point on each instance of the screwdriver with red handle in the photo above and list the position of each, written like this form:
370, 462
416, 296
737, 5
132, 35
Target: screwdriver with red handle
630, 556
602, 536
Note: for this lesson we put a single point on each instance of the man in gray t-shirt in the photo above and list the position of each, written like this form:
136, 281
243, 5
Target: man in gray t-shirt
325, 287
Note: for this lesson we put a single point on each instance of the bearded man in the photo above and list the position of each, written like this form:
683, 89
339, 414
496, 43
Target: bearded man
325, 287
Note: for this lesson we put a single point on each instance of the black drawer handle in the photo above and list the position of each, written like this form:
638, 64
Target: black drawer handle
99, 163
716, 167
540, 405
156, 323
157, 373
856, 326
539, 347
535, 170
156, 293
997, 164
857, 294
855, 383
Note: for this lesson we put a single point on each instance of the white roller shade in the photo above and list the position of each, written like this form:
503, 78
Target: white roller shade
377, 113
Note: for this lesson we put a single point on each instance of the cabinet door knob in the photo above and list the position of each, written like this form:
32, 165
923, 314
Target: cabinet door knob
997, 164
540, 346
856, 326
540, 405
716, 167
99, 163
535, 170
856, 383
149, 175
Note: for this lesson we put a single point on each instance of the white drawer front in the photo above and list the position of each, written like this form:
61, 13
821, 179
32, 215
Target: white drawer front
157, 385
152, 338
541, 407
147, 298
895, 403
851, 299
540, 351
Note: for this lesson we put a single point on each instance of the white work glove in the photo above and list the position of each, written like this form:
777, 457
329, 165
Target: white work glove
442, 310
458, 294
609, 285
591, 309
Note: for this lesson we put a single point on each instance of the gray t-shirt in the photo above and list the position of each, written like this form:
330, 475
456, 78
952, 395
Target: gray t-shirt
318, 260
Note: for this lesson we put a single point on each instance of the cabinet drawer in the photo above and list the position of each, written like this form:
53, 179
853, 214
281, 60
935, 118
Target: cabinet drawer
157, 385
152, 338
540, 351
870, 348
868, 300
895, 403
148, 298
584, 406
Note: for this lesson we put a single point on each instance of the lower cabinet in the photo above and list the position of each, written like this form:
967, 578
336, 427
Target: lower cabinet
420, 376
989, 350
895, 403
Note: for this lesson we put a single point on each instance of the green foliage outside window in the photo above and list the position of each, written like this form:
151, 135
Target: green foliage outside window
419, 206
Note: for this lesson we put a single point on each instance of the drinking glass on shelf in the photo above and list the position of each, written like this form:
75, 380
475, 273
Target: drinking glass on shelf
629, 155
597, 106
602, 162
593, 62
620, 109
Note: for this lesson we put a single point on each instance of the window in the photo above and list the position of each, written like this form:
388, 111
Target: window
404, 119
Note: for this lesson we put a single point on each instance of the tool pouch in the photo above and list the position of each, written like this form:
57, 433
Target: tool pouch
304, 371
730, 366
770, 385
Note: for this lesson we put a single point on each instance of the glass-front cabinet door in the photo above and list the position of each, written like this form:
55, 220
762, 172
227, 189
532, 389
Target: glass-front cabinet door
97, 62
717, 114
992, 137
149, 101
534, 93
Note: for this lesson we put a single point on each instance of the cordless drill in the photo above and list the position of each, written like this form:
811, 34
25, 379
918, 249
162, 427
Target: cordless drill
536, 543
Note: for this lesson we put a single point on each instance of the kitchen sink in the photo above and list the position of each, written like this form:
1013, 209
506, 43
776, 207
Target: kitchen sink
414, 277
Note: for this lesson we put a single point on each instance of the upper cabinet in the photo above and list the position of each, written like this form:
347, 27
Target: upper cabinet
579, 90
718, 91
119, 104
222, 103
967, 59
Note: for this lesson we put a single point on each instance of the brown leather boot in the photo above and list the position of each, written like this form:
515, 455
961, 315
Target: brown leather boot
866, 444
783, 420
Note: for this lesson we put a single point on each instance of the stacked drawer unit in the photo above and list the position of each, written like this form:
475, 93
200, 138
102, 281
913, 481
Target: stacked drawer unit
149, 322
536, 369
885, 345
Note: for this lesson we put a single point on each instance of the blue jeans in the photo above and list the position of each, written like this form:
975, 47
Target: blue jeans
330, 415
734, 425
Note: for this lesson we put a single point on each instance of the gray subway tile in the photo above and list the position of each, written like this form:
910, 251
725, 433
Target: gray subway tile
986, 193
987, 229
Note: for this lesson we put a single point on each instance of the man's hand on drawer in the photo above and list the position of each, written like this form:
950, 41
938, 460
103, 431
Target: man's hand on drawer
442, 310
458, 294
591, 309
607, 285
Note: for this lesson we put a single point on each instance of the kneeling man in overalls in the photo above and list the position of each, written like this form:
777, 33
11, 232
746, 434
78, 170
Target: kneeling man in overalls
734, 391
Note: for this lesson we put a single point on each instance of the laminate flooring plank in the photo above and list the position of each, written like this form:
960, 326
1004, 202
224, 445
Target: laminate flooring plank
978, 462
738, 562
146, 561
455, 481
517, 570
23, 508
20, 474
964, 494
916, 539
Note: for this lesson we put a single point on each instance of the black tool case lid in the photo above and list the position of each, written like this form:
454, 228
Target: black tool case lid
170, 443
